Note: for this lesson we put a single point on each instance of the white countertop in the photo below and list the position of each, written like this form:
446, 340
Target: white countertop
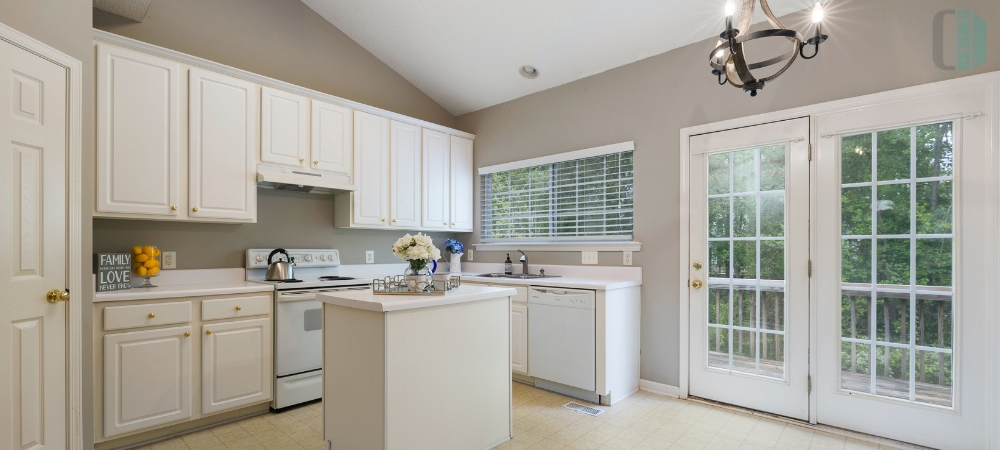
385, 303
558, 282
188, 283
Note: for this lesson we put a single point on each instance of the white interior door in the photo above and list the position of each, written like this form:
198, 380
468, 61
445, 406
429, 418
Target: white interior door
33, 250
905, 238
748, 282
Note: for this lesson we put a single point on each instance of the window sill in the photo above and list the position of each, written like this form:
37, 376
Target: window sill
631, 246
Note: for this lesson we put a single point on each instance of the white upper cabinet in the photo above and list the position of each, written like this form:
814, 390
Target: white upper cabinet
461, 184
405, 163
138, 142
223, 114
235, 364
332, 138
371, 166
284, 128
436, 182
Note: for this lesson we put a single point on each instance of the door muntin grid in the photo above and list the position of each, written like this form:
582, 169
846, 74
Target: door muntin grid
897, 235
746, 308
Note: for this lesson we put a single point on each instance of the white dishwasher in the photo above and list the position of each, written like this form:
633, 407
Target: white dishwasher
561, 336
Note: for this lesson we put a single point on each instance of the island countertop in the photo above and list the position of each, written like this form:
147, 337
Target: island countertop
369, 301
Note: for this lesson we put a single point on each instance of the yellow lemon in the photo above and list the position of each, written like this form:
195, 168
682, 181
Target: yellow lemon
142, 257
136, 250
148, 250
149, 264
140, 271
156, 252
152, 271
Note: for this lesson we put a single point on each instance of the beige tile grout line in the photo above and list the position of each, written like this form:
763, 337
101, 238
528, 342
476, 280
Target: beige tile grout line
192, 431
814, 427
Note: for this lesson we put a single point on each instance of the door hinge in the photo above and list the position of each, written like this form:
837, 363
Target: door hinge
809, 384
809, 268
810, 152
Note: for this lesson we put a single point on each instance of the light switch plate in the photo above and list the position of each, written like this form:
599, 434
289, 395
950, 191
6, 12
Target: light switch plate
470, 254
627, 258
589, 257
370, 257
169, 260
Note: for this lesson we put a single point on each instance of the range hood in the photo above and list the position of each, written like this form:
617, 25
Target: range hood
302, 180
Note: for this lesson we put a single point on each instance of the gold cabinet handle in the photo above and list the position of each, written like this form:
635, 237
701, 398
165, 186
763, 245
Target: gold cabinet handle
195, 209
187, 334
208, 331
173, 207
55, 295
696, 265
453, 224
238, 307
151, 315
393, 220
697, 284
315, 163
446, 223
302, 160
383, 219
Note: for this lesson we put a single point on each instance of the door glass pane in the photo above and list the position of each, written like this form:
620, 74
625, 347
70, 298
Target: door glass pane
897, 269
746, 261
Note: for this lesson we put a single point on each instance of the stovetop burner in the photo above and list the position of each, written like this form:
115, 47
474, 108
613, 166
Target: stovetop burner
335, 278
287, 281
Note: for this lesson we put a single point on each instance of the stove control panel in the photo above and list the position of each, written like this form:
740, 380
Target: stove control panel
257, 257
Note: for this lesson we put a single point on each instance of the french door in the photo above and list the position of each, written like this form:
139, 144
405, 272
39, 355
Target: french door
904, 240
749, 286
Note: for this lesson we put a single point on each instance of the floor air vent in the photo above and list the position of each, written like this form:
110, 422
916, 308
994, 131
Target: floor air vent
584, 409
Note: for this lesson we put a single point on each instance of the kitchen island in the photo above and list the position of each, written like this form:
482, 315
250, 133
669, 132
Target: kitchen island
417, 372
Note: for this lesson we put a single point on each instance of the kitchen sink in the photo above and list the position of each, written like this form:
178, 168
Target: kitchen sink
520, 276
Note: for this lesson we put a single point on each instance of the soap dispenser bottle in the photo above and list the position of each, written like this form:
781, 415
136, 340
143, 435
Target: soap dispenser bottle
508, 266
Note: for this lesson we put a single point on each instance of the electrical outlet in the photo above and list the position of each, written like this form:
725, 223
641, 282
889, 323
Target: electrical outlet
169, 260
589, 257
627, 258
470, 254
370, 257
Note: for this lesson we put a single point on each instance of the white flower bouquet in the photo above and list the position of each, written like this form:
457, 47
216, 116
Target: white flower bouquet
417, 250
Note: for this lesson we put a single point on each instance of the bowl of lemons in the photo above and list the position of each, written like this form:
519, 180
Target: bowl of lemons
145, 263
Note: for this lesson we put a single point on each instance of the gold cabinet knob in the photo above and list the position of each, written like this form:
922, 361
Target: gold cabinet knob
697, 284
195, 209
173, 207
238, 307
302, 160
55, 295
315, 163
208, 331
696, 265
151, 315
453, 224
187, 334
383, 219
446, 223
393, 220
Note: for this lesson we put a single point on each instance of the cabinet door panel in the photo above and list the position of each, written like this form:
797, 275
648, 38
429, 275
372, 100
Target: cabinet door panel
406, 163
284, 127
437, 173
147, 379
235, 364
137, 132
223, 138
332, 138
519, 338
371, 149
461, 184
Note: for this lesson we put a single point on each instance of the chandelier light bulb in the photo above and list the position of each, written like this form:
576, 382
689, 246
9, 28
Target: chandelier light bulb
818, 13
730, 8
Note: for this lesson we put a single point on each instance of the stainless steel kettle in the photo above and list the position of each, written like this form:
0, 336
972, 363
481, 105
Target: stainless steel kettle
280, 270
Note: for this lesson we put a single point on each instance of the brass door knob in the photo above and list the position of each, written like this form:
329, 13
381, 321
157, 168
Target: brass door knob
55, 295
238, 307
194, 209
208, 331
151, 315
173, 207
696, 265
697, 284
187, 334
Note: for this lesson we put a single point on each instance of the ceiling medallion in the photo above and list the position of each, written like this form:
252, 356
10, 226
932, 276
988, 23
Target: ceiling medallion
728, 59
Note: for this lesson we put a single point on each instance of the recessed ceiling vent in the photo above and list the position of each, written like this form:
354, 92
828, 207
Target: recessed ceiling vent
129, 9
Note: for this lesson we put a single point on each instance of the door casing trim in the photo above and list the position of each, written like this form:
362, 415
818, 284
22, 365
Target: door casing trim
74, 185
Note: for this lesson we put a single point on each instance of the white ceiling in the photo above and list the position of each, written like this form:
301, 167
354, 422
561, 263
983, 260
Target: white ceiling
465, 54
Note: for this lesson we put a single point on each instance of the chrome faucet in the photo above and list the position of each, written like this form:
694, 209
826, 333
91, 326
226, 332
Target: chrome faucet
524, 263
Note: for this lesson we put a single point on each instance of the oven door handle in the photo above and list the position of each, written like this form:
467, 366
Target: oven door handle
295, 297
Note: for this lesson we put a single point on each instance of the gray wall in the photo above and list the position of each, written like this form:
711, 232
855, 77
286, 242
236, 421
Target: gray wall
285, 40
876, 45
65, 26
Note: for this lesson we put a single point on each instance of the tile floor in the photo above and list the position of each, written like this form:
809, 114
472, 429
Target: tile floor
643, 421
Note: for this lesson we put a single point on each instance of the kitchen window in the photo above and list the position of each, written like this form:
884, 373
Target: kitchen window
580, 196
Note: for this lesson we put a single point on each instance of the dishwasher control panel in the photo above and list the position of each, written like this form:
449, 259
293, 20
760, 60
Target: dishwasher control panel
567, 298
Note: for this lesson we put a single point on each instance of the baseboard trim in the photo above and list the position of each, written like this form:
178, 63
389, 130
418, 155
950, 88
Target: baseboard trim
659, 388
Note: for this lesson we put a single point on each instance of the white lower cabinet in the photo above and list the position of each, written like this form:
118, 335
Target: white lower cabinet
236, 364
147, 379
519, 338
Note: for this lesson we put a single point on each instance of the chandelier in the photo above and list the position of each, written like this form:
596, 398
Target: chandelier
728, 59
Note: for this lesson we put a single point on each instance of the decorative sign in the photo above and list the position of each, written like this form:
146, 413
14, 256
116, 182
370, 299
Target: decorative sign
113, 271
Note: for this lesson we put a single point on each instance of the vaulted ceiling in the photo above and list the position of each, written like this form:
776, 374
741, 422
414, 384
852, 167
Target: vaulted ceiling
465, 54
